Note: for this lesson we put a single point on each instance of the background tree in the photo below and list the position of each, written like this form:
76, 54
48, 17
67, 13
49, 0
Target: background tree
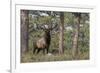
24, 30
75, 48
61, 33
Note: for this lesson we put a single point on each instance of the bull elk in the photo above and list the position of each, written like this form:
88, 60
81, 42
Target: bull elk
43, 43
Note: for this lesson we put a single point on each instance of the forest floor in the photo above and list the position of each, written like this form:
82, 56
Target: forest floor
67, 56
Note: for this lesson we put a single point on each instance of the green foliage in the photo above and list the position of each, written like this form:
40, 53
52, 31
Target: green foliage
84, 38
69, 17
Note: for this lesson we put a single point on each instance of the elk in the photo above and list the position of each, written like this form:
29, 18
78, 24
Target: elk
43, 43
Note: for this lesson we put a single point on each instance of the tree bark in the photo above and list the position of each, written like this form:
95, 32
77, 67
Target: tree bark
75, 51
24, 30
61, 34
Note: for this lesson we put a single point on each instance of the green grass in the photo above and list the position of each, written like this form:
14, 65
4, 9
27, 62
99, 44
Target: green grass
30, 57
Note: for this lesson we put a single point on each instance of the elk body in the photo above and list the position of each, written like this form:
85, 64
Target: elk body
43, 43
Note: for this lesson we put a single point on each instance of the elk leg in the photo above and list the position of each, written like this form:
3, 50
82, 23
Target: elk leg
34, 50
47, 50
38, 51
43, 51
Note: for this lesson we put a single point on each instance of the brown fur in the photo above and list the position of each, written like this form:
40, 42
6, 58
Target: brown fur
43, 43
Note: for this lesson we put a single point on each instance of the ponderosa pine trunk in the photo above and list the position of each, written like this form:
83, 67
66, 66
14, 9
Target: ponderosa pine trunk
75, 49
24, 30
61, 34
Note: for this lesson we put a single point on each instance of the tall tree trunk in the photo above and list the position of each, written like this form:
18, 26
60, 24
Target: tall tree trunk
24, 30
61, 34
76, 50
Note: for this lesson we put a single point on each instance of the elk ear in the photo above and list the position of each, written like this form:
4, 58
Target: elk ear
46, 26
42, 27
